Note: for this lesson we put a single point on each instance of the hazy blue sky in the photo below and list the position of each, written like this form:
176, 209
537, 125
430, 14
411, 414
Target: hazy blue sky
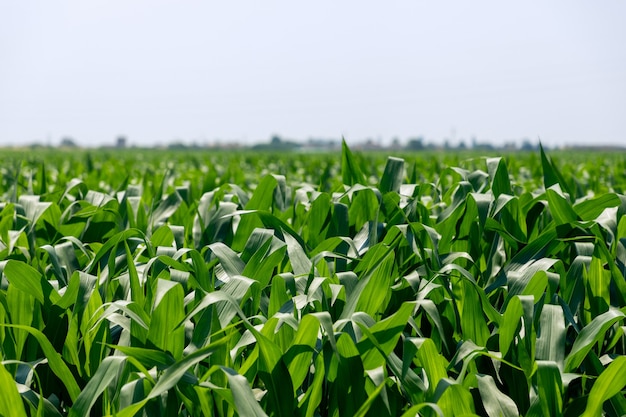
157, 70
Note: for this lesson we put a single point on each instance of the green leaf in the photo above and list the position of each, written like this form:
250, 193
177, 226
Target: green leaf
313, 397
147, 357
454, 399
300, 262
510, 324
167, 312
55, 360
261, 201
350, 171
165, 209
345, 376
136, 290
365, 408
549, 388
433, 362
500, 183
21, 309
413, 411
495, 402
592, 208
392, 176
11, 403
276, 378
550, 344
589, 336
364, 208
298, 357
382, 337
610, 383
29, 280
374, 284
242, 394
551, 174
172, 375
473, 323
560, 208
107, 372
228, 259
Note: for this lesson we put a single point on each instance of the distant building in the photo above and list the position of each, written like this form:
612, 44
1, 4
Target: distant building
68, 142
121, 142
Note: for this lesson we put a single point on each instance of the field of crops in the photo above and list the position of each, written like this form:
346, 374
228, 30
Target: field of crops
222, 284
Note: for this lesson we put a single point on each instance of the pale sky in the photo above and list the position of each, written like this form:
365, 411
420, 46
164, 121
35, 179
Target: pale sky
158, 71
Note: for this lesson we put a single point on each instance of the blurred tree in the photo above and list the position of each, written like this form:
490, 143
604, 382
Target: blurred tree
416, 144
68, 142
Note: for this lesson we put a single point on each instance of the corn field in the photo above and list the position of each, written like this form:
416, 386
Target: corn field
145, 283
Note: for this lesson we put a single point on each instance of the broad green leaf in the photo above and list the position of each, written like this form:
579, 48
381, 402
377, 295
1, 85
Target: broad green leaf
262, 200
107, 372
590, 335
551, 174
136, 290
500, 183
228, 259
549, 389
345, 375
529, 278
11, 403
433, 362
21, 309
367, 405
263, 195
239, 288
275, 376
37, 402
510, 325
392, 176
495, 402
473, 322
299, 260
172, 375
29, 280
213, 222
383, 336
374, 284
167, 312
102, 256
147, 357
162, 236
265, 257
243, 395
350, 170
33, 208
165, 209
298, 357
364, 208
550, 345
610, 383
599, 283
318, 220
55, 360
592, 208
278, 295
313, 396
414, 411
560, 208
454, 399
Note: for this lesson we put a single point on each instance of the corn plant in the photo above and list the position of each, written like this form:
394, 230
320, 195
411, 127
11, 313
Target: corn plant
164, 283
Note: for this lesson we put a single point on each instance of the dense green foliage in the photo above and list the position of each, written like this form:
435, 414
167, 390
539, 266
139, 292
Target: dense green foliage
164, 283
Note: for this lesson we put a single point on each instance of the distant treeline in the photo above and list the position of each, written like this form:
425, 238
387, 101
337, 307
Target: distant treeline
277, 143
